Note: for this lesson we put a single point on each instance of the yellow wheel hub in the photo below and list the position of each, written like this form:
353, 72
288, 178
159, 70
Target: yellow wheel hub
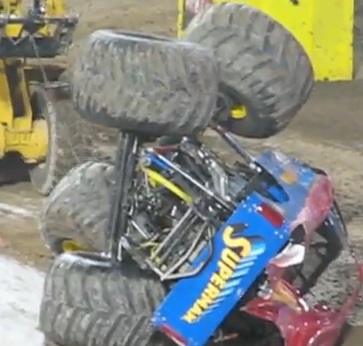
71, 246
239, 112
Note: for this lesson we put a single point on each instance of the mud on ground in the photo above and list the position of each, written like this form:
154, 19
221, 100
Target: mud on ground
326, 133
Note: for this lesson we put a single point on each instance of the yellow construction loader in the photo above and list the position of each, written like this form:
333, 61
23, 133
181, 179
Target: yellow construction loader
37, 123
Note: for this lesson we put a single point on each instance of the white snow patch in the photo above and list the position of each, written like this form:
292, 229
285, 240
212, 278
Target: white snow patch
21, 290
7, 209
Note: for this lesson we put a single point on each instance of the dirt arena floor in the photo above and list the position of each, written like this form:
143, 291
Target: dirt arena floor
327, 132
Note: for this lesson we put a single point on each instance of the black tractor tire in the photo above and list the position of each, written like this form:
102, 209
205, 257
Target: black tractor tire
262, 66
76, 211
89, 301
145, 84
70, 140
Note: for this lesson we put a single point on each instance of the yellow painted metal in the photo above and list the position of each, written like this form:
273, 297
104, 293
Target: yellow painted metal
20, 134
323, 27
54, 8
7, 118
71, 246
239, 112
181, 17
157, 179
11, 8
18, 8
31, 145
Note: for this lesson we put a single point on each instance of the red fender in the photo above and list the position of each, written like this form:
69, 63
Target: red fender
299, 324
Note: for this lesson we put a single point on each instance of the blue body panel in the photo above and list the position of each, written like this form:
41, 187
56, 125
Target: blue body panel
196, 306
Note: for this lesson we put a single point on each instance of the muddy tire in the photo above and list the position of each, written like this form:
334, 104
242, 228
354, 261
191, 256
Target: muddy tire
76, 211
69, 140
146, 84
262, 66
88, 301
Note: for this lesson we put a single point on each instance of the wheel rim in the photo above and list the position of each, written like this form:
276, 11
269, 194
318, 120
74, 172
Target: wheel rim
239, 112
71, 246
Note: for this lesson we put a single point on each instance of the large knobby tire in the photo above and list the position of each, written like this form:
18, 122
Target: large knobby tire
89, 301
77, 209
144, 84
262, 66
70, 140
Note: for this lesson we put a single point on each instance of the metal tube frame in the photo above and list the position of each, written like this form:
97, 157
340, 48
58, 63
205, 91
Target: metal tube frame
125, 164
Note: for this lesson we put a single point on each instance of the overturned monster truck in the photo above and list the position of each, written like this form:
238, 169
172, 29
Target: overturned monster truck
175, 245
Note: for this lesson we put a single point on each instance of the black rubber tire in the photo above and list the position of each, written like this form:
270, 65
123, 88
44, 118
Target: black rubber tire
145, 84
69, 138
78, 207
262, 66
87, 301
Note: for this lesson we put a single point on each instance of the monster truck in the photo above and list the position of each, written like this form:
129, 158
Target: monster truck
199, 252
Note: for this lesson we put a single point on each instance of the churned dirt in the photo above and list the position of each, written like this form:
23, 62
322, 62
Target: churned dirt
327, 132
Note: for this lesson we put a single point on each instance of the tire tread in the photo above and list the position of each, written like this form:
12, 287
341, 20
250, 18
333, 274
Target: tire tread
253, 49
171, 85
78, 206
117, 321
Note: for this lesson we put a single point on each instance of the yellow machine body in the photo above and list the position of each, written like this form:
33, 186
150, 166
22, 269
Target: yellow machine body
19, 132
323, 27
17, 8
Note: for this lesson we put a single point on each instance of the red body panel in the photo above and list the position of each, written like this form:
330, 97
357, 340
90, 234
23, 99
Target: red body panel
315, 326
299, 324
